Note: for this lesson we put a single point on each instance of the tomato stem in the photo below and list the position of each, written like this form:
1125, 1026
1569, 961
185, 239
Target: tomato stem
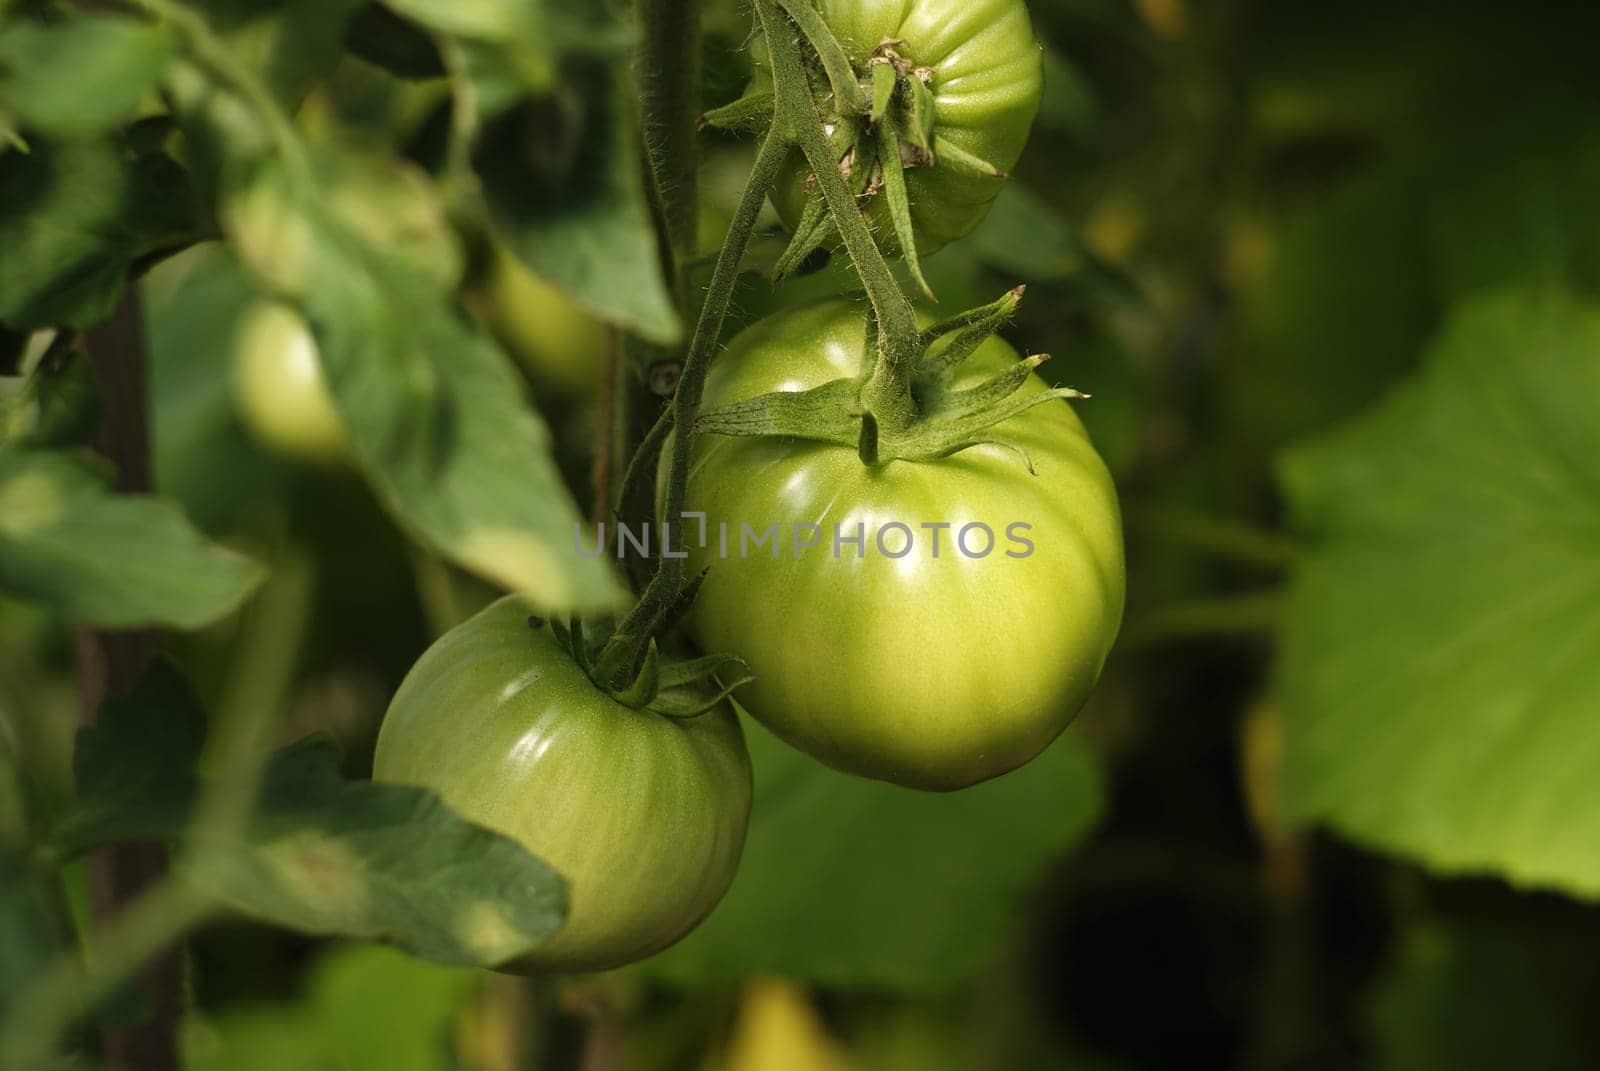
669, 93
887, 390
632, 636
886, 394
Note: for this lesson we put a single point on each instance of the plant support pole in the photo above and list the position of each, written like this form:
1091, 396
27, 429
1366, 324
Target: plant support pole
108, 664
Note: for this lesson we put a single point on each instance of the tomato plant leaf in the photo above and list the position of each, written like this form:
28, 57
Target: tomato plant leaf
578, 216
106, 559
851, 882
80, 76
388, 862
74, 218
558, 162
134, 765
433, 409
1441, 661
318, 853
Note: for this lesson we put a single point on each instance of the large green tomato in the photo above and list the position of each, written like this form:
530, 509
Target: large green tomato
642, 814
279, 385
935, 666
986, 74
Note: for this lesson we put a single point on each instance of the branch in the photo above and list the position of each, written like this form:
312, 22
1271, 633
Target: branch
108, 664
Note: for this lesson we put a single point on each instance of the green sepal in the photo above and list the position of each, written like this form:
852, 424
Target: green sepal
995, 314
943, 436
679, 604
646, 685
867, 441
827, 413
883, 82
959, 160
813, 230
916, 122
572, 636
949, 421
960, 404
750, 114
894, 189
676, 674
691, 703
971, 328
1027, 461
692, 686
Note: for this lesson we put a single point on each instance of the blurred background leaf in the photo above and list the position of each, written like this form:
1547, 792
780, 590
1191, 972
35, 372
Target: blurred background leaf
103, 558
1441, 651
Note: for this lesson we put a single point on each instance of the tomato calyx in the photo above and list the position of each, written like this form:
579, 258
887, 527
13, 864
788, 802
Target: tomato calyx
669, 686
880, 121
944, 420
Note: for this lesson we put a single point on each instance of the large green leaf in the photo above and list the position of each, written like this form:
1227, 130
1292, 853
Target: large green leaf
74, 217
79, 76
134, 765
1441, 665
577, 215
853, 882
434, 410
390, 862
106, 559
1355, 281
316, 853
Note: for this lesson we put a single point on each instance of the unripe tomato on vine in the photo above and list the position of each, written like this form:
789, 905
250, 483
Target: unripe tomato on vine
643, 814
967, 77
282, 394
560, 346
930, 621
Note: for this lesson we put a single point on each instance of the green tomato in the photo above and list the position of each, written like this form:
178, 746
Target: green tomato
985, 71
560, 346
279, 386
642, 814
928, 670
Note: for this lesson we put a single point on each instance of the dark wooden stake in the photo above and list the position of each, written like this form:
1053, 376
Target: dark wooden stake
108, 664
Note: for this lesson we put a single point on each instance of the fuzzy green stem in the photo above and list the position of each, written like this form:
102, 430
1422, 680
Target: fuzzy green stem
636, 629
669, 93
847, 94
887, 390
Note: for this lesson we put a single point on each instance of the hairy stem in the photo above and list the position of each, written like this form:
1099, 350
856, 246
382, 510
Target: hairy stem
635, 630
669, 93
887, 391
